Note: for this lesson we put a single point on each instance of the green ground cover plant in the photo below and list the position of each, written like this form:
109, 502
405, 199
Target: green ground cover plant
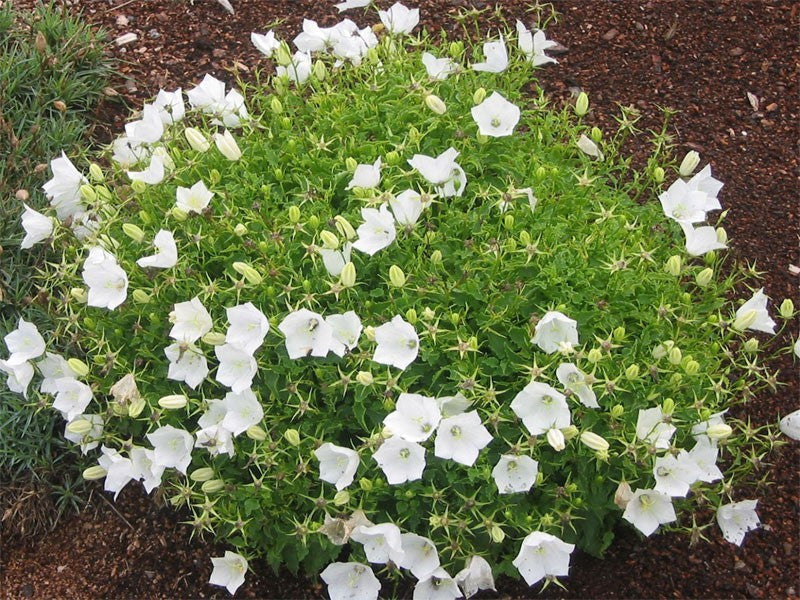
392, 294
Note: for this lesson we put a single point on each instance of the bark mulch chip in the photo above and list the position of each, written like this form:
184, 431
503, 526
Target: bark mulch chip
728, 66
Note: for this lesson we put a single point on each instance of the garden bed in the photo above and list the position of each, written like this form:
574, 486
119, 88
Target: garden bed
700, 58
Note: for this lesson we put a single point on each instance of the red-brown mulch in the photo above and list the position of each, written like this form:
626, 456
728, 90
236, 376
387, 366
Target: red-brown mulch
701, 57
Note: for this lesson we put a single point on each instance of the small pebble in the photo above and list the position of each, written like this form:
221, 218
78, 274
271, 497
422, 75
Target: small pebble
153, 33
122, 21
737, 51
610, 34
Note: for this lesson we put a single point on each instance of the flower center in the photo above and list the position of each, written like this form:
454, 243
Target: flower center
495, 122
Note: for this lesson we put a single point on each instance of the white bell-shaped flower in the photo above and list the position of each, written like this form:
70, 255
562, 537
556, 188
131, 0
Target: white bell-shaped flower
437, 585
266, 43
414, 418
419, 555
553, 329
438, 68
307, 334
514, 474
652, 428
674, 475
191, 321
194, 199
442, 171
242, 410
461, 438
351, 581
170, 106
407, 207
382, 542
237, 367
589, 147
107, 281
346, 329
533, 45
475, 576
24, 343
89, 440
37, 226
166, 256
335, 260
400, 460
541, 408
736, 519
172, 446
704, 182
366, 176
187, 363
700, 240
399, 19
790, 425
153, 174
496, 116
452, 405
145, 467
119, 470
758, 304
51, 367
247, 327
647, 509
684, 205
216, 439
19, 376
495, 57
397, 343
337, 465
704, 455
572, 378
543, 555
64, 189
148, 129
377, 231
71, 397
229, 571
299, 70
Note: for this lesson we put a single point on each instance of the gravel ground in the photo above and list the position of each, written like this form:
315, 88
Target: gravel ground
701, 57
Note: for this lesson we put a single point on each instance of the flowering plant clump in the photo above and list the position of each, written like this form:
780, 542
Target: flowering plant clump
390, 302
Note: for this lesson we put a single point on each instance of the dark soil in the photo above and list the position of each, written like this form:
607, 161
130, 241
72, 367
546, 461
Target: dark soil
700, 57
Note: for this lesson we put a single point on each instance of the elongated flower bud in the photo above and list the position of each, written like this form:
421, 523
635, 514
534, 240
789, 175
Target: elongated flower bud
479, 95
276, 106
79, 426
212, 486
141, 297
173, 402
673, 265
202, 474
133, 231
364, 378
294, 214
320, 70
214, 338
348, 275
746, 320
136, 407
675, 355
96, 173
240, 229
79, 294
283, 55
689, 163
351, 163
88, 193
396, 276
668, 406
556, 439
341, 498
196, 139
703, 278
227, 145
786, 308
436, 104
292, 436
344, 228
497, 534
329, 240
632, 372
78, 367
719, 431
594, 355
722, 235
254, 432
582, 104
94, 473
751, 345
248, 272
658, 175
594, 441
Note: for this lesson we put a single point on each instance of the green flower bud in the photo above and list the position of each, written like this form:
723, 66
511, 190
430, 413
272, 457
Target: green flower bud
659, 352
703, 278
202, 474
436, 257
196, 139
436, 104
676, 379
569, 432
786, 309
456, 48
276, 105
524, 238
596, 134
254, 432
619, 333
508, 222
94, 473
248, 272
133, 231
414, 136
582, 104
411, 316
278, 173
540, 173
320, 70
455, 318
364, 378
673, 266
341, 498
313, 221
212, 486
668, 406
689, 164
292, 436
214, 338
722, 235
240, 229
479, 95
482, 139
369, 332
497, 534
344, 228
396, 276
392, 157
96, 173
79, 426
556, 439
79, 294
632, 372
136, 407
329, 240
594, 356
719, 431
348, 275
138, 186
617, 411
746, 320
88, 193
283, 55
214, 176
178, 214
294, 214
692, 367
658, 175
675, 355
365, 484
173, 402
751, 345
79, 367
593, 441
